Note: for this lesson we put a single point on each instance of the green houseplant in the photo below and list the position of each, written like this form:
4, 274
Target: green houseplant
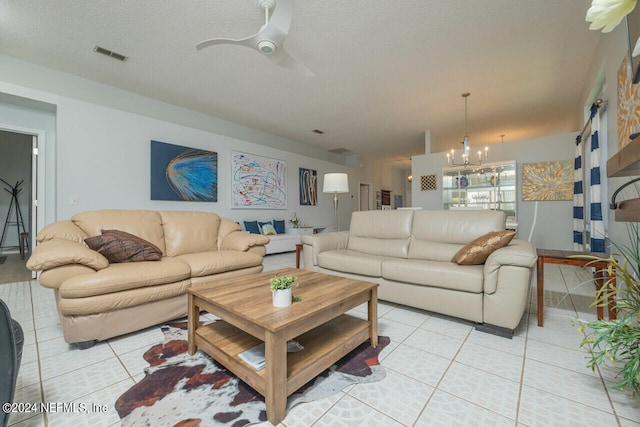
281, 290
295, 221
617, 342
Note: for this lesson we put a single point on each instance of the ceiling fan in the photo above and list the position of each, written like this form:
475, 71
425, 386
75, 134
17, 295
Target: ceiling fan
270, 39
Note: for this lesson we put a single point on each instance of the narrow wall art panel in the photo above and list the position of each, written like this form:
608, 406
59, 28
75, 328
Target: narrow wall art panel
308, 187
258, 182
183, 173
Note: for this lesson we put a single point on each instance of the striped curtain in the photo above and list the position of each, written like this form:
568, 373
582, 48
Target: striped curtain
596, 240
578, 199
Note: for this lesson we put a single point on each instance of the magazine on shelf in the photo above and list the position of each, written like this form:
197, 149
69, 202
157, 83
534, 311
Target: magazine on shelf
255, 355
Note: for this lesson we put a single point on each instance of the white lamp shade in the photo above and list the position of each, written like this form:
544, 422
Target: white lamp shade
335, 183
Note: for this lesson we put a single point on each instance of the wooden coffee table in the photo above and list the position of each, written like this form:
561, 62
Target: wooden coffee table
318, 322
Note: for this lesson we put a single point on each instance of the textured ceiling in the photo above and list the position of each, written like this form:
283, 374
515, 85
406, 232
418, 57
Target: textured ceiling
384, 71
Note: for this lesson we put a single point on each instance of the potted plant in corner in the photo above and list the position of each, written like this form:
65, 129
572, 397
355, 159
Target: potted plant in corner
616, 343
281, 290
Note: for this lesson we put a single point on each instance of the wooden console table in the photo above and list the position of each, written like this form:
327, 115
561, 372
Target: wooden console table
551, 256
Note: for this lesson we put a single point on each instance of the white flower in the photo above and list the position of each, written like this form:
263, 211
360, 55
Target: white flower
636, 50
607, 14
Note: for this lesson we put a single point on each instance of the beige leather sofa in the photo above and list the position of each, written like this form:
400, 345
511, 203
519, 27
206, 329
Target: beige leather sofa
97, 300
408, 253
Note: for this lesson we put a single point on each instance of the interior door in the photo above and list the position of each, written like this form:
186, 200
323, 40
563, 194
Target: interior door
365, 196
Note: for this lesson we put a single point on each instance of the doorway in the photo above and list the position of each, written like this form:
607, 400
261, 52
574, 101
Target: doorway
18, 190
364, 196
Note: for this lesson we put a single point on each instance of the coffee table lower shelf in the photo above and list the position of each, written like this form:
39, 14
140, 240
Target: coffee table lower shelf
323, 346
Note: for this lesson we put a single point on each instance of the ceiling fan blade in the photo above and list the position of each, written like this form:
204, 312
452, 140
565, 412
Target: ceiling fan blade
248, 42
284, 60
281, 16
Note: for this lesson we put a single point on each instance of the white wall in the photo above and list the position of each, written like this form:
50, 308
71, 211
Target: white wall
100, 154
555, 219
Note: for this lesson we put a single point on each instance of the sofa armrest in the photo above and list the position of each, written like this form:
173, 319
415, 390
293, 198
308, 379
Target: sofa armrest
316, 243
65, 230
242, 241
519, 253
58, 252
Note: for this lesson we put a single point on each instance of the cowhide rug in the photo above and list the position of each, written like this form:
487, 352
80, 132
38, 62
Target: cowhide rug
188, 391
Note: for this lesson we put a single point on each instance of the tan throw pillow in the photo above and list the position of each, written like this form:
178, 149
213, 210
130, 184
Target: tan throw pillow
478, 250
120, 246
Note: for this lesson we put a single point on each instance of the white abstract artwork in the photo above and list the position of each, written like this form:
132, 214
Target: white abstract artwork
258, 182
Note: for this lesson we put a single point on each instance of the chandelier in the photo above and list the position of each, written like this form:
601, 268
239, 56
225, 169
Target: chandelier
451, 156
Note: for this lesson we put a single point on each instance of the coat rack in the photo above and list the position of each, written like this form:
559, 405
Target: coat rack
15, 219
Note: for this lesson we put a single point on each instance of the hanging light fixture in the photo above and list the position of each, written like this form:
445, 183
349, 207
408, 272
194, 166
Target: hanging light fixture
451, 156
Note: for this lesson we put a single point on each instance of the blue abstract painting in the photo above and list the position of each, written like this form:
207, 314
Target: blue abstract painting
183, 173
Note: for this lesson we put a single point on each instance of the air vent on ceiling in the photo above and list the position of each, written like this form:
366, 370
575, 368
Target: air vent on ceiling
340, 151
110, 53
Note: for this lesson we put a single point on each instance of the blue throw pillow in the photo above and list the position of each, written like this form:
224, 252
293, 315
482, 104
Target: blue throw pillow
252, 227
279, 225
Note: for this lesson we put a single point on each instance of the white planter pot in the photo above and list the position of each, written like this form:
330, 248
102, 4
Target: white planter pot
282, 298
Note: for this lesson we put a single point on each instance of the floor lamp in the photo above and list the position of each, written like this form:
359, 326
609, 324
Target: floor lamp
335, 183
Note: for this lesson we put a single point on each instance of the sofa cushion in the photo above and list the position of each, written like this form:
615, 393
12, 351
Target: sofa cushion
278, 224
383, 233
268, 230
144, 224
381, 224
348, 261
126, 276
458, 227
252, 227
282, 243
208, 263
433, 251
478, 250
261, 224
190, 232
120, 246
447, 275
104, 303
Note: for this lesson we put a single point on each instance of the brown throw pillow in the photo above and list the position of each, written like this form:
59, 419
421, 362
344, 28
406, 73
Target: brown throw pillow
120, 246
478, 250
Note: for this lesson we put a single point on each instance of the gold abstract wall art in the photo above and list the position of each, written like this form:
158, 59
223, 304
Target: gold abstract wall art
628, 105
552, 180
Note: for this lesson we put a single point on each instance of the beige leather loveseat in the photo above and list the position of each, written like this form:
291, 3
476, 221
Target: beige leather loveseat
97, 299
409, 254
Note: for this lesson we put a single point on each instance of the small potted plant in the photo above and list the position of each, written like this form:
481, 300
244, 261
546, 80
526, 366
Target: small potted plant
281, 290
295, 221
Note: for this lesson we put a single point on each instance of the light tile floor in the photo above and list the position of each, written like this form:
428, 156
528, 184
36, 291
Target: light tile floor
440, 371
